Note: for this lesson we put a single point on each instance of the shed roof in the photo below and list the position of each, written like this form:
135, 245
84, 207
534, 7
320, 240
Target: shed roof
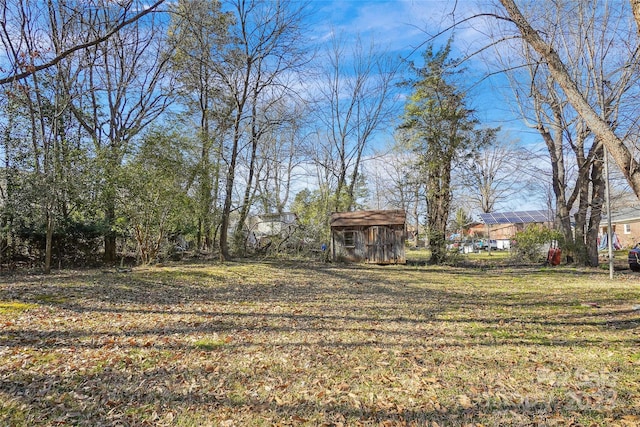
377, 217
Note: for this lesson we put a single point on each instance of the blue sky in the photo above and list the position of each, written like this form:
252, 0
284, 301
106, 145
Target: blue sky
403, 27
396, 24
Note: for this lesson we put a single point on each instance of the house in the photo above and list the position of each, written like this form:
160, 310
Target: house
375, 237
625, 223
503, 226
264, 227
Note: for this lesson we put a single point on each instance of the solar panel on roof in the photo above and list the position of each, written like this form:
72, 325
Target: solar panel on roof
523, 217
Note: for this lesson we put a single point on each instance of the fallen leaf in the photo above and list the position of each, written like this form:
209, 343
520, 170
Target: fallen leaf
464, 401
343, 387
631, 419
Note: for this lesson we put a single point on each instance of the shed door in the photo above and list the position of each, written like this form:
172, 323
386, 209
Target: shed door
379, 242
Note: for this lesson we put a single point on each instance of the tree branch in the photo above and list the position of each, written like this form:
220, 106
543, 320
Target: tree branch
66, 53
452, 26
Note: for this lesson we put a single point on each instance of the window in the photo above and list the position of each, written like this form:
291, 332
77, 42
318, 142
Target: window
349, 238
627, 229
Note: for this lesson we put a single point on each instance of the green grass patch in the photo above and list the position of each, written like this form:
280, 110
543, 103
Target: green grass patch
50, 299
13, 414
13, 307
209, 344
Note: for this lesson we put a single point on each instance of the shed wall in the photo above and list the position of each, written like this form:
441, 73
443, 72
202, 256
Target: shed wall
380, 244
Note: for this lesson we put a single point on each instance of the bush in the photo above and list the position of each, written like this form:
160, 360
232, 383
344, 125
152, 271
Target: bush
75, 243
530, 243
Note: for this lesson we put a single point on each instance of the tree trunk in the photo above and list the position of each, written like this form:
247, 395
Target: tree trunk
226, 209
354, 177
199, 234
239, 238
635, 6
438, 210
204, 214
110, 253
339, 189
580, 251
415, 215
48, 242
597, 202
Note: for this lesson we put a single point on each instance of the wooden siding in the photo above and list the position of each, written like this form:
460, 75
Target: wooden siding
373, 245
375, 237
385, 245
342, 250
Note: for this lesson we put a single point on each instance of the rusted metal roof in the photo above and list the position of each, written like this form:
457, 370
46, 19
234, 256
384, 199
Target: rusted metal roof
358, 218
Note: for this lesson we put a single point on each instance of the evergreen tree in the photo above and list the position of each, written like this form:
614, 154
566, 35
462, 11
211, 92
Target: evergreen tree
439, 127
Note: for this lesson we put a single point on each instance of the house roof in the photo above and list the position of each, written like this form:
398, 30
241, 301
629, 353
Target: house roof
377, 217
623, 215
286, 217
522, 217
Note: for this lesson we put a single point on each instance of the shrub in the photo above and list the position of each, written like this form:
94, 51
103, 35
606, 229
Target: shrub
530, 243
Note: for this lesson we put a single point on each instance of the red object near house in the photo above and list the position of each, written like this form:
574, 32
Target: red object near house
554, 256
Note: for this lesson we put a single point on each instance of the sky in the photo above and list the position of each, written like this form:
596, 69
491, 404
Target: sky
405, 27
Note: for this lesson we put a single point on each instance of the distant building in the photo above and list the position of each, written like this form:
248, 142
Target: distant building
264, 227
625, 223
375, 237
503, 226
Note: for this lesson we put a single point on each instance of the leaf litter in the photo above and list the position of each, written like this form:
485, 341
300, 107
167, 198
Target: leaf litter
299, 344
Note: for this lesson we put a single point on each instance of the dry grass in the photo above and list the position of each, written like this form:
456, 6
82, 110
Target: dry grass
253, 344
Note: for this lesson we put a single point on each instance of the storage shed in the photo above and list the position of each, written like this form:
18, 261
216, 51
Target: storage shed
375, 237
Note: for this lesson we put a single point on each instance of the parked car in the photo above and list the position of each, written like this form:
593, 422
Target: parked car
482, 244
634, 258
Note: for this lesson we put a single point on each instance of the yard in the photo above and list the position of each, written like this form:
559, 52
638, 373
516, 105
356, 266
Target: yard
262, 344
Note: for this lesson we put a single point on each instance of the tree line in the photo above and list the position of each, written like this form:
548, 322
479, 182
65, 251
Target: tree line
144, 129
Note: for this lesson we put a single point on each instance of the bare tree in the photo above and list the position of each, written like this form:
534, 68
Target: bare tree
398, 184
596, 69
14, 14
279, 155
356, 101
621, 152
200, 35
256, 73
493, 174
